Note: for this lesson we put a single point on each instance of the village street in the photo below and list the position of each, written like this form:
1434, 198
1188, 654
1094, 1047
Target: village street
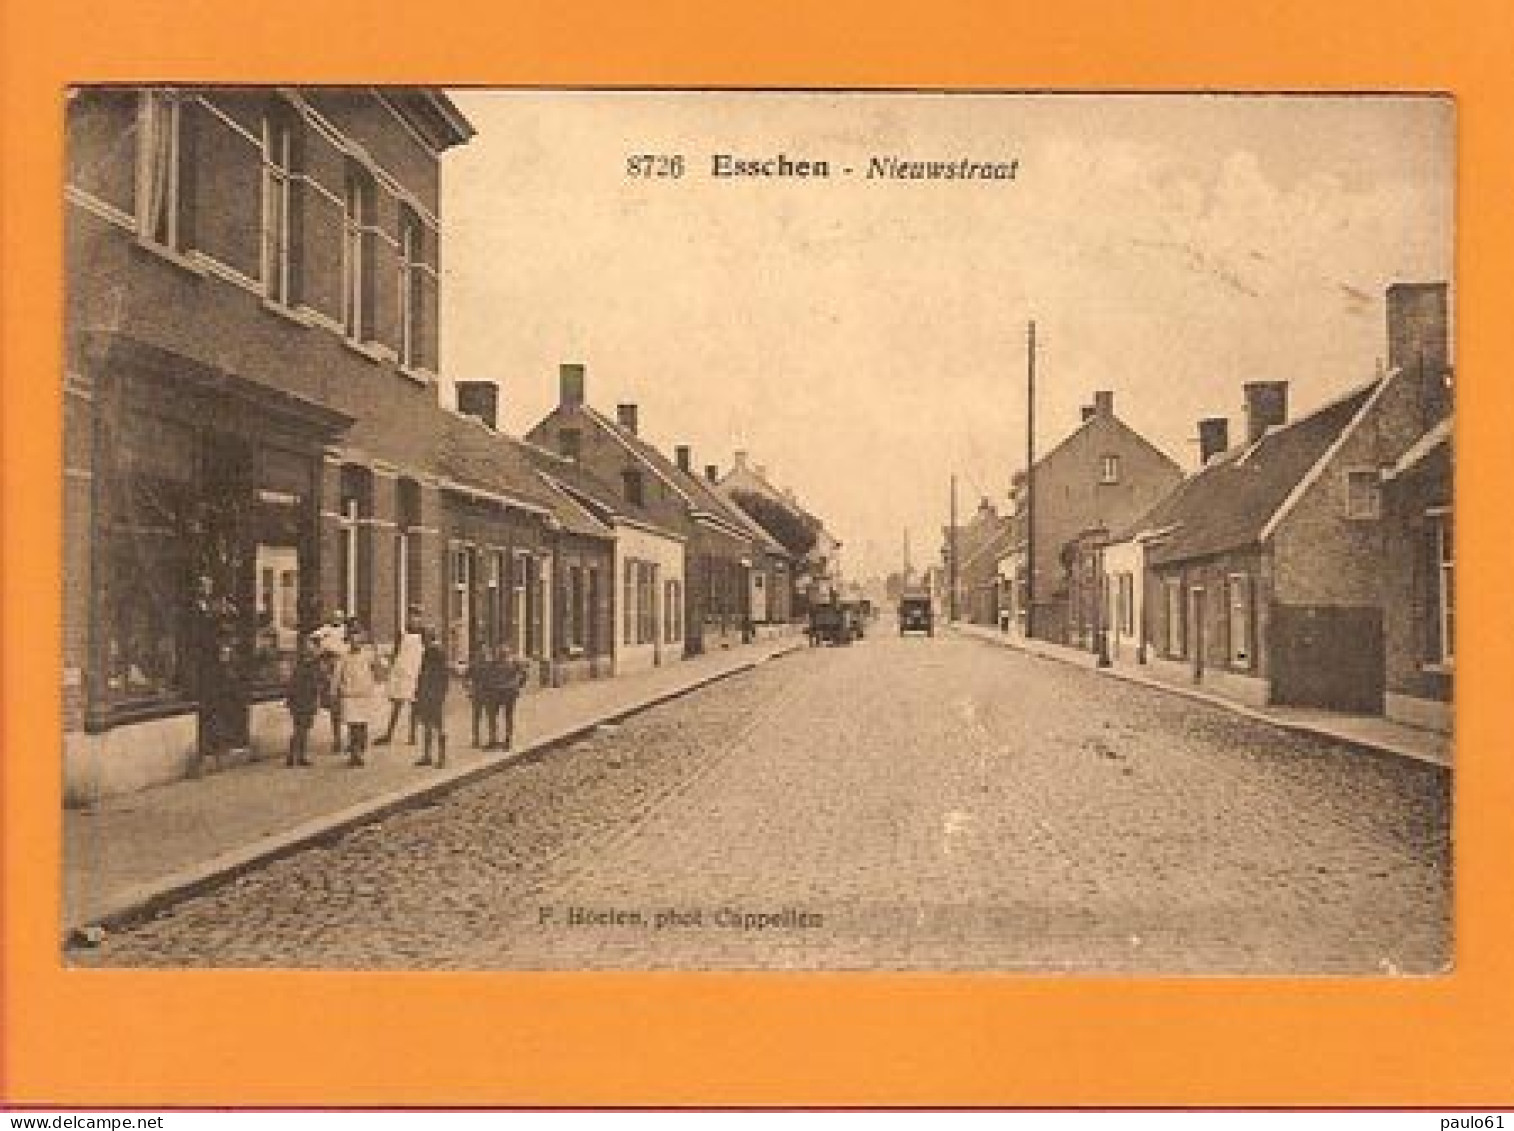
924, 803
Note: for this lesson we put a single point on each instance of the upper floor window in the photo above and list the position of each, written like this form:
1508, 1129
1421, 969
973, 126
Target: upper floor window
160, 163
1363, 493
570, 443
634, 489
278, 198
1109, 469
411, 283
358, 253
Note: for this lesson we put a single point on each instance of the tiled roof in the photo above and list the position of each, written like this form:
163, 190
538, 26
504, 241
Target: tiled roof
603, 500
701, 495
472, 457
1229, 502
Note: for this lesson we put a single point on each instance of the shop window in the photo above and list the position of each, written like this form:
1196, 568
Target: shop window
283, 562
145, 590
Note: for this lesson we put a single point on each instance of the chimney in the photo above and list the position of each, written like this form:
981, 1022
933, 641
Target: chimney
1214, 438
1085, 414
1419, 343
479, 399
684, 458
740, 460
1417, 328
1266, 406
712, 472
761, 471
1103, 403
570, 385
625, 415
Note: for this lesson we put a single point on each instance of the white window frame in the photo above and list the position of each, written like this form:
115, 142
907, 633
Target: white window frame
351, 520
1109, 469
520, 576
1369, 475
1445, 582
358, 204
461, 563
412, 238
278, 200
401, 578
158, 114
1237, 583
1175, 605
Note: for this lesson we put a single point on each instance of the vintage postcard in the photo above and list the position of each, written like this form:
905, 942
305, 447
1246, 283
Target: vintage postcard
766, 530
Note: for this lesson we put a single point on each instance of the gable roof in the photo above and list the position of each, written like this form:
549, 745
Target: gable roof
1421, 450
589, 491
1094, 421
783, 498
473, 459
1236, 499
702, 499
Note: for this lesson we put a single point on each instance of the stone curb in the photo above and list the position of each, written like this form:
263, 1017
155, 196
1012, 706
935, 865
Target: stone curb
1361, 745
145, 900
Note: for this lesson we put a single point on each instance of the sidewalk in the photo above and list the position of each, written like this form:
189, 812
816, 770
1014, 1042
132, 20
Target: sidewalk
133, 852
1364, 732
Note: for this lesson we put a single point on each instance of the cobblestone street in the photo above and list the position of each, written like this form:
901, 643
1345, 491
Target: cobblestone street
902, 803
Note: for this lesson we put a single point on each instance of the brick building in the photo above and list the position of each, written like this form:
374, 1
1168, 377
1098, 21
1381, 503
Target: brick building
812, 553
719, 551
648, 566
252, 428
980, 542
1277, 573
1103, 476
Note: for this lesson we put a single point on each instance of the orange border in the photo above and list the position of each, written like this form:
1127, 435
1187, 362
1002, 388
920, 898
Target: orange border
122, 1038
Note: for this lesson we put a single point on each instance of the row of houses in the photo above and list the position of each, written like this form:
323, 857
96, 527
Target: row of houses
258, 432
1305, 562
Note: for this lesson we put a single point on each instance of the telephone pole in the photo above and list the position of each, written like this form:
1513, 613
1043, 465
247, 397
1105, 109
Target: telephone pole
951, 559
1030, 479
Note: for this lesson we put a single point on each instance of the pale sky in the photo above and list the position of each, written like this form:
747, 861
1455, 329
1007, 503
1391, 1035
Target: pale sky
865, 339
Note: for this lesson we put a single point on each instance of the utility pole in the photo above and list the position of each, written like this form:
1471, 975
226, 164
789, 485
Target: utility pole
905, 582
951, 559
1030, 480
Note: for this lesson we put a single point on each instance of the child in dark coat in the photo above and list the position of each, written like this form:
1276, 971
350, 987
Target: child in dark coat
303, 699
429, 708
495, 681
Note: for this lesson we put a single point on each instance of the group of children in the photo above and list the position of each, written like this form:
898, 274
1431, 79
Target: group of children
336, 669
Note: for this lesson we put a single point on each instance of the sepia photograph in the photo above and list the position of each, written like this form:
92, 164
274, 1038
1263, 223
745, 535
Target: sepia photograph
549, 528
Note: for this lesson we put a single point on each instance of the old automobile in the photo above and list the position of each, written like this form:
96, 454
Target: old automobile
915, 614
